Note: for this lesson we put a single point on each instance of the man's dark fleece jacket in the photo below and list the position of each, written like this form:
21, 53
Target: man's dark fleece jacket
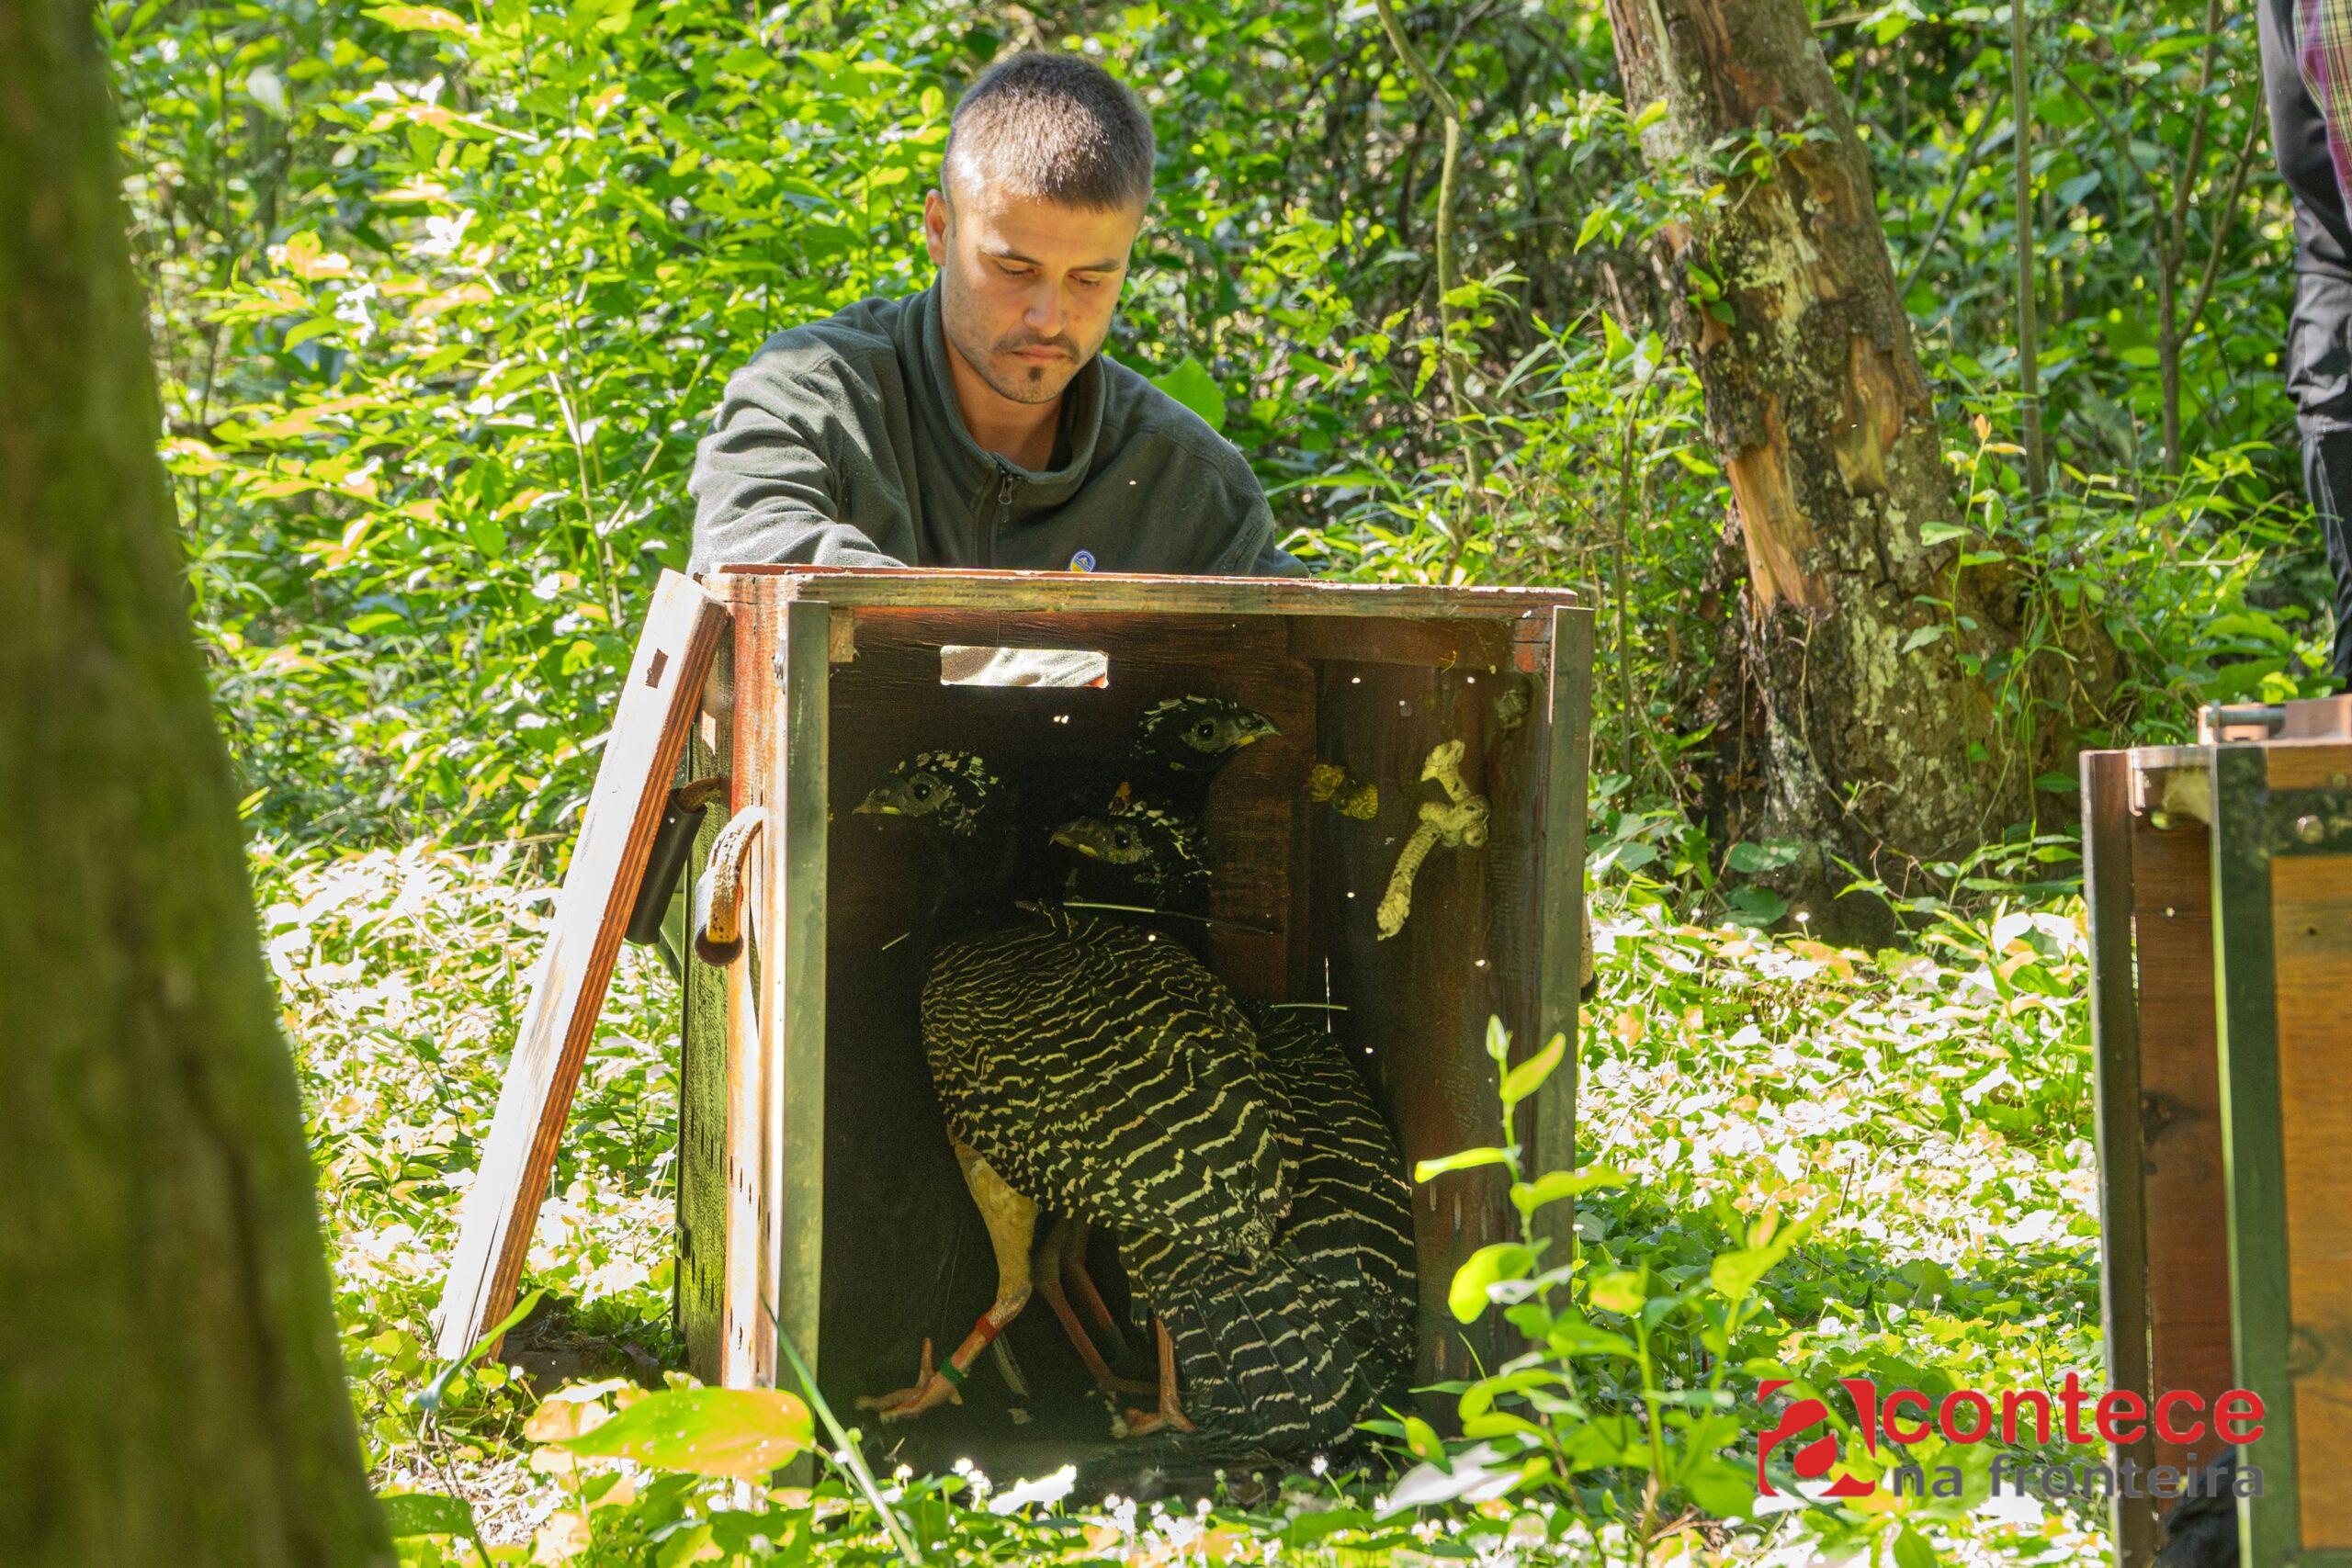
840, 444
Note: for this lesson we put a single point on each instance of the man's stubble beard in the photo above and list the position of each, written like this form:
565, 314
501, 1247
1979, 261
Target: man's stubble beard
1026, 385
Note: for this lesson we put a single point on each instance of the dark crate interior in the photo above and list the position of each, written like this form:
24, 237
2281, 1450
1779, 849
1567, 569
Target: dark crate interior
1296, 887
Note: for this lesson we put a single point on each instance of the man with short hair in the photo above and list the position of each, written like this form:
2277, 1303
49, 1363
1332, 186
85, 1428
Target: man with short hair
978, 423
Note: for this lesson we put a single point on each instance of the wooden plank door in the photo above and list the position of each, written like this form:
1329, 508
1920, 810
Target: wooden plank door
650, 728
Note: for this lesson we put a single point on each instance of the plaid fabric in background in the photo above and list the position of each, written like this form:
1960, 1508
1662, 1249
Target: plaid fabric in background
2323, 50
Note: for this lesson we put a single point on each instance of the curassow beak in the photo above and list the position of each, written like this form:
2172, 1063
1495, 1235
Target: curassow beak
1084, 835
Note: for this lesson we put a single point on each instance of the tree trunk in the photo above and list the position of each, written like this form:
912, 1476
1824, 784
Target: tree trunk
171, 1386
1839, 735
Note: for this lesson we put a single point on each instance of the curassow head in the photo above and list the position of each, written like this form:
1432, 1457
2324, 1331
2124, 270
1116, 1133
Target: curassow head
946, 790
1131, 834
1196, 734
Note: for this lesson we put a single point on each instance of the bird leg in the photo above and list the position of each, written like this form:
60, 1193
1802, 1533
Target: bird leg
1170, 1415
1060, 1259
1081, 1285
1011, 1221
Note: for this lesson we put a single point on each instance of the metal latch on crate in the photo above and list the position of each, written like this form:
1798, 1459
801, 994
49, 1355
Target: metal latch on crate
2312, 719
2174, 783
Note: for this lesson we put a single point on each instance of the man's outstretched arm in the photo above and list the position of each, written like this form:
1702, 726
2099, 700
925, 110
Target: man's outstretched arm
763, 489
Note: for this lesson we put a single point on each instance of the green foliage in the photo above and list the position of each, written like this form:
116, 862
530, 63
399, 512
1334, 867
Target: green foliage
448, 299
1926, 1114
443, 299
1587, 1411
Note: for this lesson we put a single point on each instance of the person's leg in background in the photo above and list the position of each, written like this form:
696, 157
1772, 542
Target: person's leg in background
2327, 479
2318, 361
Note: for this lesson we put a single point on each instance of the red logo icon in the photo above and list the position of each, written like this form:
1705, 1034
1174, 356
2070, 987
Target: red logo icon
1813, 1461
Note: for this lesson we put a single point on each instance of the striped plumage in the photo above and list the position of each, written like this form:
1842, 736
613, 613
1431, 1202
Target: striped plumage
1316, 1335
1108, 1075
1137, 853
1352, 1203
1097, 1069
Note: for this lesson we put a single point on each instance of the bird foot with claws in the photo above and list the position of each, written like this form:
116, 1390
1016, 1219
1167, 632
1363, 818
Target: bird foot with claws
931, 1388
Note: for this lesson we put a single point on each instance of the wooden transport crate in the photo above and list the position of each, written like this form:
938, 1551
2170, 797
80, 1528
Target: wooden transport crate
818, 1198
2225, 1100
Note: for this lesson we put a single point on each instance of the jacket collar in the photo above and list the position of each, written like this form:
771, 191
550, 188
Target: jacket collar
973, 463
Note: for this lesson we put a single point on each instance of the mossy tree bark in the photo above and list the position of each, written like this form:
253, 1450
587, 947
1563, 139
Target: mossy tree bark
171, 1386
1842, 726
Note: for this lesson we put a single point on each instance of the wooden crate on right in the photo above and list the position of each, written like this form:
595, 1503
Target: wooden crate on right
2218, 879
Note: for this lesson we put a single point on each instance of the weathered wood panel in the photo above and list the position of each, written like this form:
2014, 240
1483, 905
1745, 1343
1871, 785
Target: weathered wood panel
1418, 1003
2123, 1159
2311, 953
2185, 1192
657, 707
702, 1069
1064, 593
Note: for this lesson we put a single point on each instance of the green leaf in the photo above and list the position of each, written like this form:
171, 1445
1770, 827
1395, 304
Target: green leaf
1309, 1529
1620, 1290
1496, 1261
1189, 383
1922, 636
423, 19
1749, 859
1933, 534
1734, 1274
426, 1512
1571, 1334
1555, 1185
1912, 1551
742, 1433
1421, 1438
1528, 1076
1468, 1159
1723, 1489
1756, 905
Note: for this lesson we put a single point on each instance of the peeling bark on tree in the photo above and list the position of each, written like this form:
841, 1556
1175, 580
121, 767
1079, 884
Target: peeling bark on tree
1831, 735
171, 1386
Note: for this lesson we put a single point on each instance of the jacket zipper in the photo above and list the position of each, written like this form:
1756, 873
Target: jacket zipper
1003, 516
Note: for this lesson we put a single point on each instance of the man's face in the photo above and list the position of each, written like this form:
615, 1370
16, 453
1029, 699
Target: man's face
1027, 287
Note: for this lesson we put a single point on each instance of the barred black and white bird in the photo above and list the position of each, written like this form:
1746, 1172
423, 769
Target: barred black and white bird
1083, 1065
1319, 1333
1316, 1338
1180, 745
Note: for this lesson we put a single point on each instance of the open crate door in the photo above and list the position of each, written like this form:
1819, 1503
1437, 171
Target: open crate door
650, 728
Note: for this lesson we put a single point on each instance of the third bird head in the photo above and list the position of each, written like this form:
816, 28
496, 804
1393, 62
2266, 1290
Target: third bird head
1157, 847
